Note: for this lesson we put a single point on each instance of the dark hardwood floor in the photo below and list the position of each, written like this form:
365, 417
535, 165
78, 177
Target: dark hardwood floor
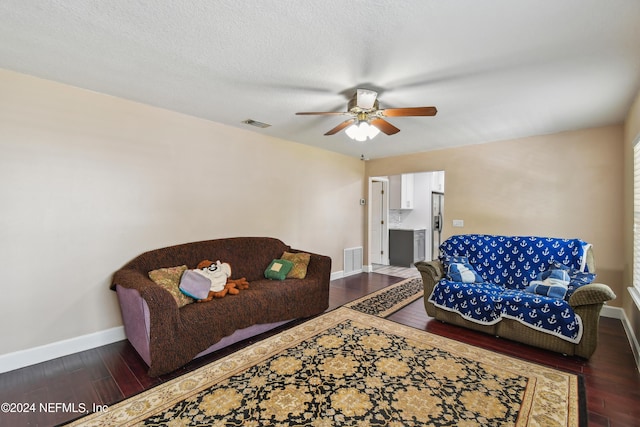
103, 376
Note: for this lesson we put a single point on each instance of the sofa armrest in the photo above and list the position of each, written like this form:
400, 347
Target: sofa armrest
431, 272
587, 302
593, 293
319, 266
155, 296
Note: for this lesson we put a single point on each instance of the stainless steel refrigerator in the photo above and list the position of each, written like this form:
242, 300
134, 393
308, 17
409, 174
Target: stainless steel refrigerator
437, 209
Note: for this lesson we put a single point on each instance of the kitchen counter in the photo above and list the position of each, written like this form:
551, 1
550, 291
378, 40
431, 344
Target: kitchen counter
406, 246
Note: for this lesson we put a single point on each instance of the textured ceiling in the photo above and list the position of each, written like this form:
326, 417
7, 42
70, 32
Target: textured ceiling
495, 69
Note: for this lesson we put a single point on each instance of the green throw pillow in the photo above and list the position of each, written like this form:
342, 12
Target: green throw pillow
278, 269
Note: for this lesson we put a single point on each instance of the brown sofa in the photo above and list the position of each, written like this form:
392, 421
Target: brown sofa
167, 337
586, 301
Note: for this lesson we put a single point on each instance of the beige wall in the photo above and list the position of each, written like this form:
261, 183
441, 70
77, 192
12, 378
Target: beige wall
89, 181
562, 185
631, 133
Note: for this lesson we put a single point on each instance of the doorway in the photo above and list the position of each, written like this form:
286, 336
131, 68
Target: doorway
378, 219
421, 211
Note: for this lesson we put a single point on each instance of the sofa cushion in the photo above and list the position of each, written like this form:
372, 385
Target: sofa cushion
169, 279
278, 269
195, 285
577, 278
473, 301
463, 272
300, 262
487, 304
448, 260
553, 316
552, 283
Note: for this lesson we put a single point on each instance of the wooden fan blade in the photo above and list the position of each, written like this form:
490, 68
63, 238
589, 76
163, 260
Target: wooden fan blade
414, 111
385, 126
340, 127
322, 113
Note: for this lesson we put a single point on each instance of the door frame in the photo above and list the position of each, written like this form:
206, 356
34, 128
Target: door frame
385, 218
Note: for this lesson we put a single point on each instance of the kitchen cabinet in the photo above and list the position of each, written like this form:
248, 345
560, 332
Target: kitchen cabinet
406, 246
401, 191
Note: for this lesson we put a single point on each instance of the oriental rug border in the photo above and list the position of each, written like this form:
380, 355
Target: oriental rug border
389, 299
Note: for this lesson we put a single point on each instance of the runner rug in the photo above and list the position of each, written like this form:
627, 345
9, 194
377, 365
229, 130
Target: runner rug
390, 299
348, 368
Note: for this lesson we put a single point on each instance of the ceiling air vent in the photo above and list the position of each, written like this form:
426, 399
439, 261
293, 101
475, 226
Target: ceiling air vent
256, 123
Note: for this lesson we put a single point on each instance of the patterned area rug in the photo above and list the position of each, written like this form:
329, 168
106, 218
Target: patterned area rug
349, 368
390, 299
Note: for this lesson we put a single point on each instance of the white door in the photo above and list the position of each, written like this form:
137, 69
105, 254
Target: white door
378, 227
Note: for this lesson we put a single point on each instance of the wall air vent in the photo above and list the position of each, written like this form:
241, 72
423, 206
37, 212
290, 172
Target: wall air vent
352, 261
256, 123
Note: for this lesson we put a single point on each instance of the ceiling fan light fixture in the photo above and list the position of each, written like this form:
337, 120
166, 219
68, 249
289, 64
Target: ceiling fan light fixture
373, 131
362, 131
366, 98
367, 119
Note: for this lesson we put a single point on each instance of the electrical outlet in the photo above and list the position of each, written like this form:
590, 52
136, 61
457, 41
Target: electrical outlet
458, 223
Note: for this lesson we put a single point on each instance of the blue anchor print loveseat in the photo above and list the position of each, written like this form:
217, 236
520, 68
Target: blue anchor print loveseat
534, 290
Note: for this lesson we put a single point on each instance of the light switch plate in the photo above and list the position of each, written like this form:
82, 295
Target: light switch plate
458, 223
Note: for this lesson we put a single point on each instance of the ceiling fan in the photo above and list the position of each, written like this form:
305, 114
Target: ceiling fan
367, 119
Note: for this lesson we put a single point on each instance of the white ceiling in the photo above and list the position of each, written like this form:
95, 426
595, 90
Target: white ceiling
495, 69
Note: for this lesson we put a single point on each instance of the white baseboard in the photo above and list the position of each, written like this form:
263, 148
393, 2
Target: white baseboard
341, 274
618, 313
31, 356
351, 273
337, 275
613, 312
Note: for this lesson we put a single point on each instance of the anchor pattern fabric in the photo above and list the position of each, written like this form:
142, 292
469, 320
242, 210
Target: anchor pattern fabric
507, 265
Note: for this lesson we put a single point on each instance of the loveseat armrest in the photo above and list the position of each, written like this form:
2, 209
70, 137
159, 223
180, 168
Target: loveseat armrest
155, 296
593, 293
431, 272
319, 266
587, 303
